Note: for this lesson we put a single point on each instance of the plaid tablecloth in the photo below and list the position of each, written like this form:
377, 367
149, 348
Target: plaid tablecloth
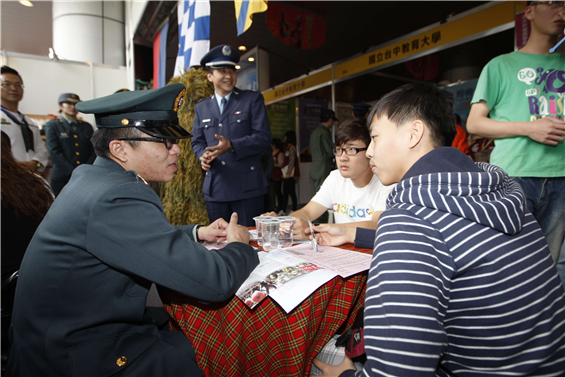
232, 340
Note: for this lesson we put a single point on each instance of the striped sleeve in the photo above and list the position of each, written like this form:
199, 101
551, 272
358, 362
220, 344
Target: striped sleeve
407, 297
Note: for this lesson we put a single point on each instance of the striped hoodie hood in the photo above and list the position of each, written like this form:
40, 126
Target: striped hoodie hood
486, 196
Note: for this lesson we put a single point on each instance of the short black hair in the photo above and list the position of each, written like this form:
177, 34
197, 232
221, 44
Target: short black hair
353, 129
103, 136
426, 102
290, 137
6, 69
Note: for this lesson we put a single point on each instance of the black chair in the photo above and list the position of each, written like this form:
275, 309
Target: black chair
8, 294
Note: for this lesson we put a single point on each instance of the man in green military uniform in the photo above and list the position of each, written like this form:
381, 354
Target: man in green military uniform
68, 142
321, 150
80, 304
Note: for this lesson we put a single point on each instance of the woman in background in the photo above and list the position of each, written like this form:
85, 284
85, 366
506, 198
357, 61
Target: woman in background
290, 171
25, 200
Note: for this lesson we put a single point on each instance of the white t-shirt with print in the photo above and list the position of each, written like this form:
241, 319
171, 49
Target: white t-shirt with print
350, 203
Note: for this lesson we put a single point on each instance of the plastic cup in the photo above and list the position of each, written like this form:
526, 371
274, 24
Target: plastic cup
258, 227
270, 233
286, 229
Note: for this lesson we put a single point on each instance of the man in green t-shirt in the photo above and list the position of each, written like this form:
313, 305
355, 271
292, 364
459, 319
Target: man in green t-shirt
519, 102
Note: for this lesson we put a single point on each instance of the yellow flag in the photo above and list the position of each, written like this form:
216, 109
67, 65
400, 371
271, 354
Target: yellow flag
244, 10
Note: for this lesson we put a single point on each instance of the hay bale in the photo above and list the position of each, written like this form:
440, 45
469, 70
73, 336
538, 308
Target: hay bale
183, 200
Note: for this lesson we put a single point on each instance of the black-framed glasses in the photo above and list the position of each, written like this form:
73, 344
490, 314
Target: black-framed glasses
553, 4
350, 151
168, 142
11, 85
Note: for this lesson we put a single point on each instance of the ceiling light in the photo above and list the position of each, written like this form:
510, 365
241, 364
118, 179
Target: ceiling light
251, 59
26, 3
238, 67
242, 48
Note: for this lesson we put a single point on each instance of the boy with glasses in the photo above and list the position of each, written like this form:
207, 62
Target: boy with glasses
355, 194
519, 103
27, 145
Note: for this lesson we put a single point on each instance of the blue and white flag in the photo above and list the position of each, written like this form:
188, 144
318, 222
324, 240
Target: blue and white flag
194, 33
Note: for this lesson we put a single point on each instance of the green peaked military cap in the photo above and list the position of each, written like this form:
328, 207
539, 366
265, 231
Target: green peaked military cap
152, 111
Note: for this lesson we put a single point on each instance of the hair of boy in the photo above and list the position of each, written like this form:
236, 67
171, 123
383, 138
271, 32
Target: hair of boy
425, 102
6, 69
353, 129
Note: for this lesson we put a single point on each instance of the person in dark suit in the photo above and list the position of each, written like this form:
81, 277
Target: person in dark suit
68, 142
80, 304
231, 130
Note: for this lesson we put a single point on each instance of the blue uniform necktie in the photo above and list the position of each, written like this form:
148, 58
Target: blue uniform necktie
223, 103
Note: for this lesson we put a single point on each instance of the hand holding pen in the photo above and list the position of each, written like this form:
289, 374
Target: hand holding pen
314, 243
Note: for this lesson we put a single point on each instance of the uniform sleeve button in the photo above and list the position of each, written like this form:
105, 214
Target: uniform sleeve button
223, 162
122, 360
253, 168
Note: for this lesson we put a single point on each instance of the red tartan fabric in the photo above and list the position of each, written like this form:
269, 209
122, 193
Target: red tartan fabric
232, 340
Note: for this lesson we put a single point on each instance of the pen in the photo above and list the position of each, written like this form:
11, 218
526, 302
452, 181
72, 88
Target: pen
314, 243
552, 50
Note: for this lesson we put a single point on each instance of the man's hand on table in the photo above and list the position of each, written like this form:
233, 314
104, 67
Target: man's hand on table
215, 232
333, 234
334, 370
237, 233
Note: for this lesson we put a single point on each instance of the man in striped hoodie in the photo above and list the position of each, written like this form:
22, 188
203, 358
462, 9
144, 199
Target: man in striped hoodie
461, 282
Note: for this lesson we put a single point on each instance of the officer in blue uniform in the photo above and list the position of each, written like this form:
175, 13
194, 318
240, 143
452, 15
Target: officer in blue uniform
80, 304
68, 142
231, 130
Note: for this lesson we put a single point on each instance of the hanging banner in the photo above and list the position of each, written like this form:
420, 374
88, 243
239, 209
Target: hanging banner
194, 33
160, 57
296, 28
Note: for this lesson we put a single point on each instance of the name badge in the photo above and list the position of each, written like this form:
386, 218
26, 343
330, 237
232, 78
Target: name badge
64, 135
206, 120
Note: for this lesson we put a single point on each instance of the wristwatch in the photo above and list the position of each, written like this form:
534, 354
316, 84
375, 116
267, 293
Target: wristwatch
196, 229
230, 149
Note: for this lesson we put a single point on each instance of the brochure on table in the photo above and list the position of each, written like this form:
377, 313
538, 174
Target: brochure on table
290, 275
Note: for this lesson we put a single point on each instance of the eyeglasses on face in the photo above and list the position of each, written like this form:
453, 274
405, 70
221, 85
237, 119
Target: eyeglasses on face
12, 85
553, 4
350, 151
168, 142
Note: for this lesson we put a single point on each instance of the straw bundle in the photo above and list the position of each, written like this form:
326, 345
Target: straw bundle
182, 198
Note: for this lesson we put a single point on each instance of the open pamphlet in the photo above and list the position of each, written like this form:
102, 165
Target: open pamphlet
290, 275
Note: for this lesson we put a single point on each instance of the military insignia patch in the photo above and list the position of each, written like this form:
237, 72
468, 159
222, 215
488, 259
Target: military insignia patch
179, 100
